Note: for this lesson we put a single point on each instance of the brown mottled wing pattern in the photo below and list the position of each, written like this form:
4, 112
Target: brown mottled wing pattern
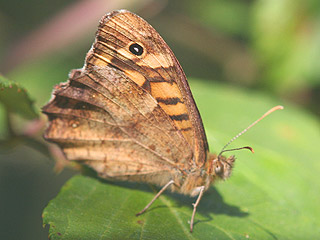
157, 71
128, 116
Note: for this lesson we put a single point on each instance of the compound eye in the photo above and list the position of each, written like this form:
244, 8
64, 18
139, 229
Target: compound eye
218, 169
136, 49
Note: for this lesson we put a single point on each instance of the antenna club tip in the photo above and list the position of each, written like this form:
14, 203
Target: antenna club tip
249, 148
279, 107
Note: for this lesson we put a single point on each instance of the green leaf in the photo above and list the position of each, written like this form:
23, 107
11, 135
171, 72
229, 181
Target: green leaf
16, 99
272, 194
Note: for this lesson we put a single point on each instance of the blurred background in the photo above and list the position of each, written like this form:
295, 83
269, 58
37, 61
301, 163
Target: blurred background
267, 45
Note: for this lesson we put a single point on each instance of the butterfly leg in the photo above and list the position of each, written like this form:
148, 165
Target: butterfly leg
195, 207
155, 197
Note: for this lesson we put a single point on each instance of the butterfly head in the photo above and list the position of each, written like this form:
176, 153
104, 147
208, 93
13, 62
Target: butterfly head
220, 167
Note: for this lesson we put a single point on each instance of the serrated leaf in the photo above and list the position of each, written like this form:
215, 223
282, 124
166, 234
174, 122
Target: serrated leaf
272, 194
16, 99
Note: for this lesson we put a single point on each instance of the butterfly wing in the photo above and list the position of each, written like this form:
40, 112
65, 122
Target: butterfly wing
156, 70
128, 116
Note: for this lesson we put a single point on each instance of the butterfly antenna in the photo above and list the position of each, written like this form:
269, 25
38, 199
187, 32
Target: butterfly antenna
246, 129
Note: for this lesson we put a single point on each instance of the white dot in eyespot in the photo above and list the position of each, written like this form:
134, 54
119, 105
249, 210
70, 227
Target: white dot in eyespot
136, 49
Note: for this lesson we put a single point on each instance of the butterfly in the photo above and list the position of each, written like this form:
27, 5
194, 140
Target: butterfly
130, 115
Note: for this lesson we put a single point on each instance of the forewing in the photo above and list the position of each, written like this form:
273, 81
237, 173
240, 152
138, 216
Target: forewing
156, 70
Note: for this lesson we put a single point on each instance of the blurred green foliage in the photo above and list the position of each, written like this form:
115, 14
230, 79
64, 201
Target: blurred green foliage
271, 47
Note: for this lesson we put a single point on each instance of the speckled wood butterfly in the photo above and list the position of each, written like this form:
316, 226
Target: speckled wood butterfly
129, 113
